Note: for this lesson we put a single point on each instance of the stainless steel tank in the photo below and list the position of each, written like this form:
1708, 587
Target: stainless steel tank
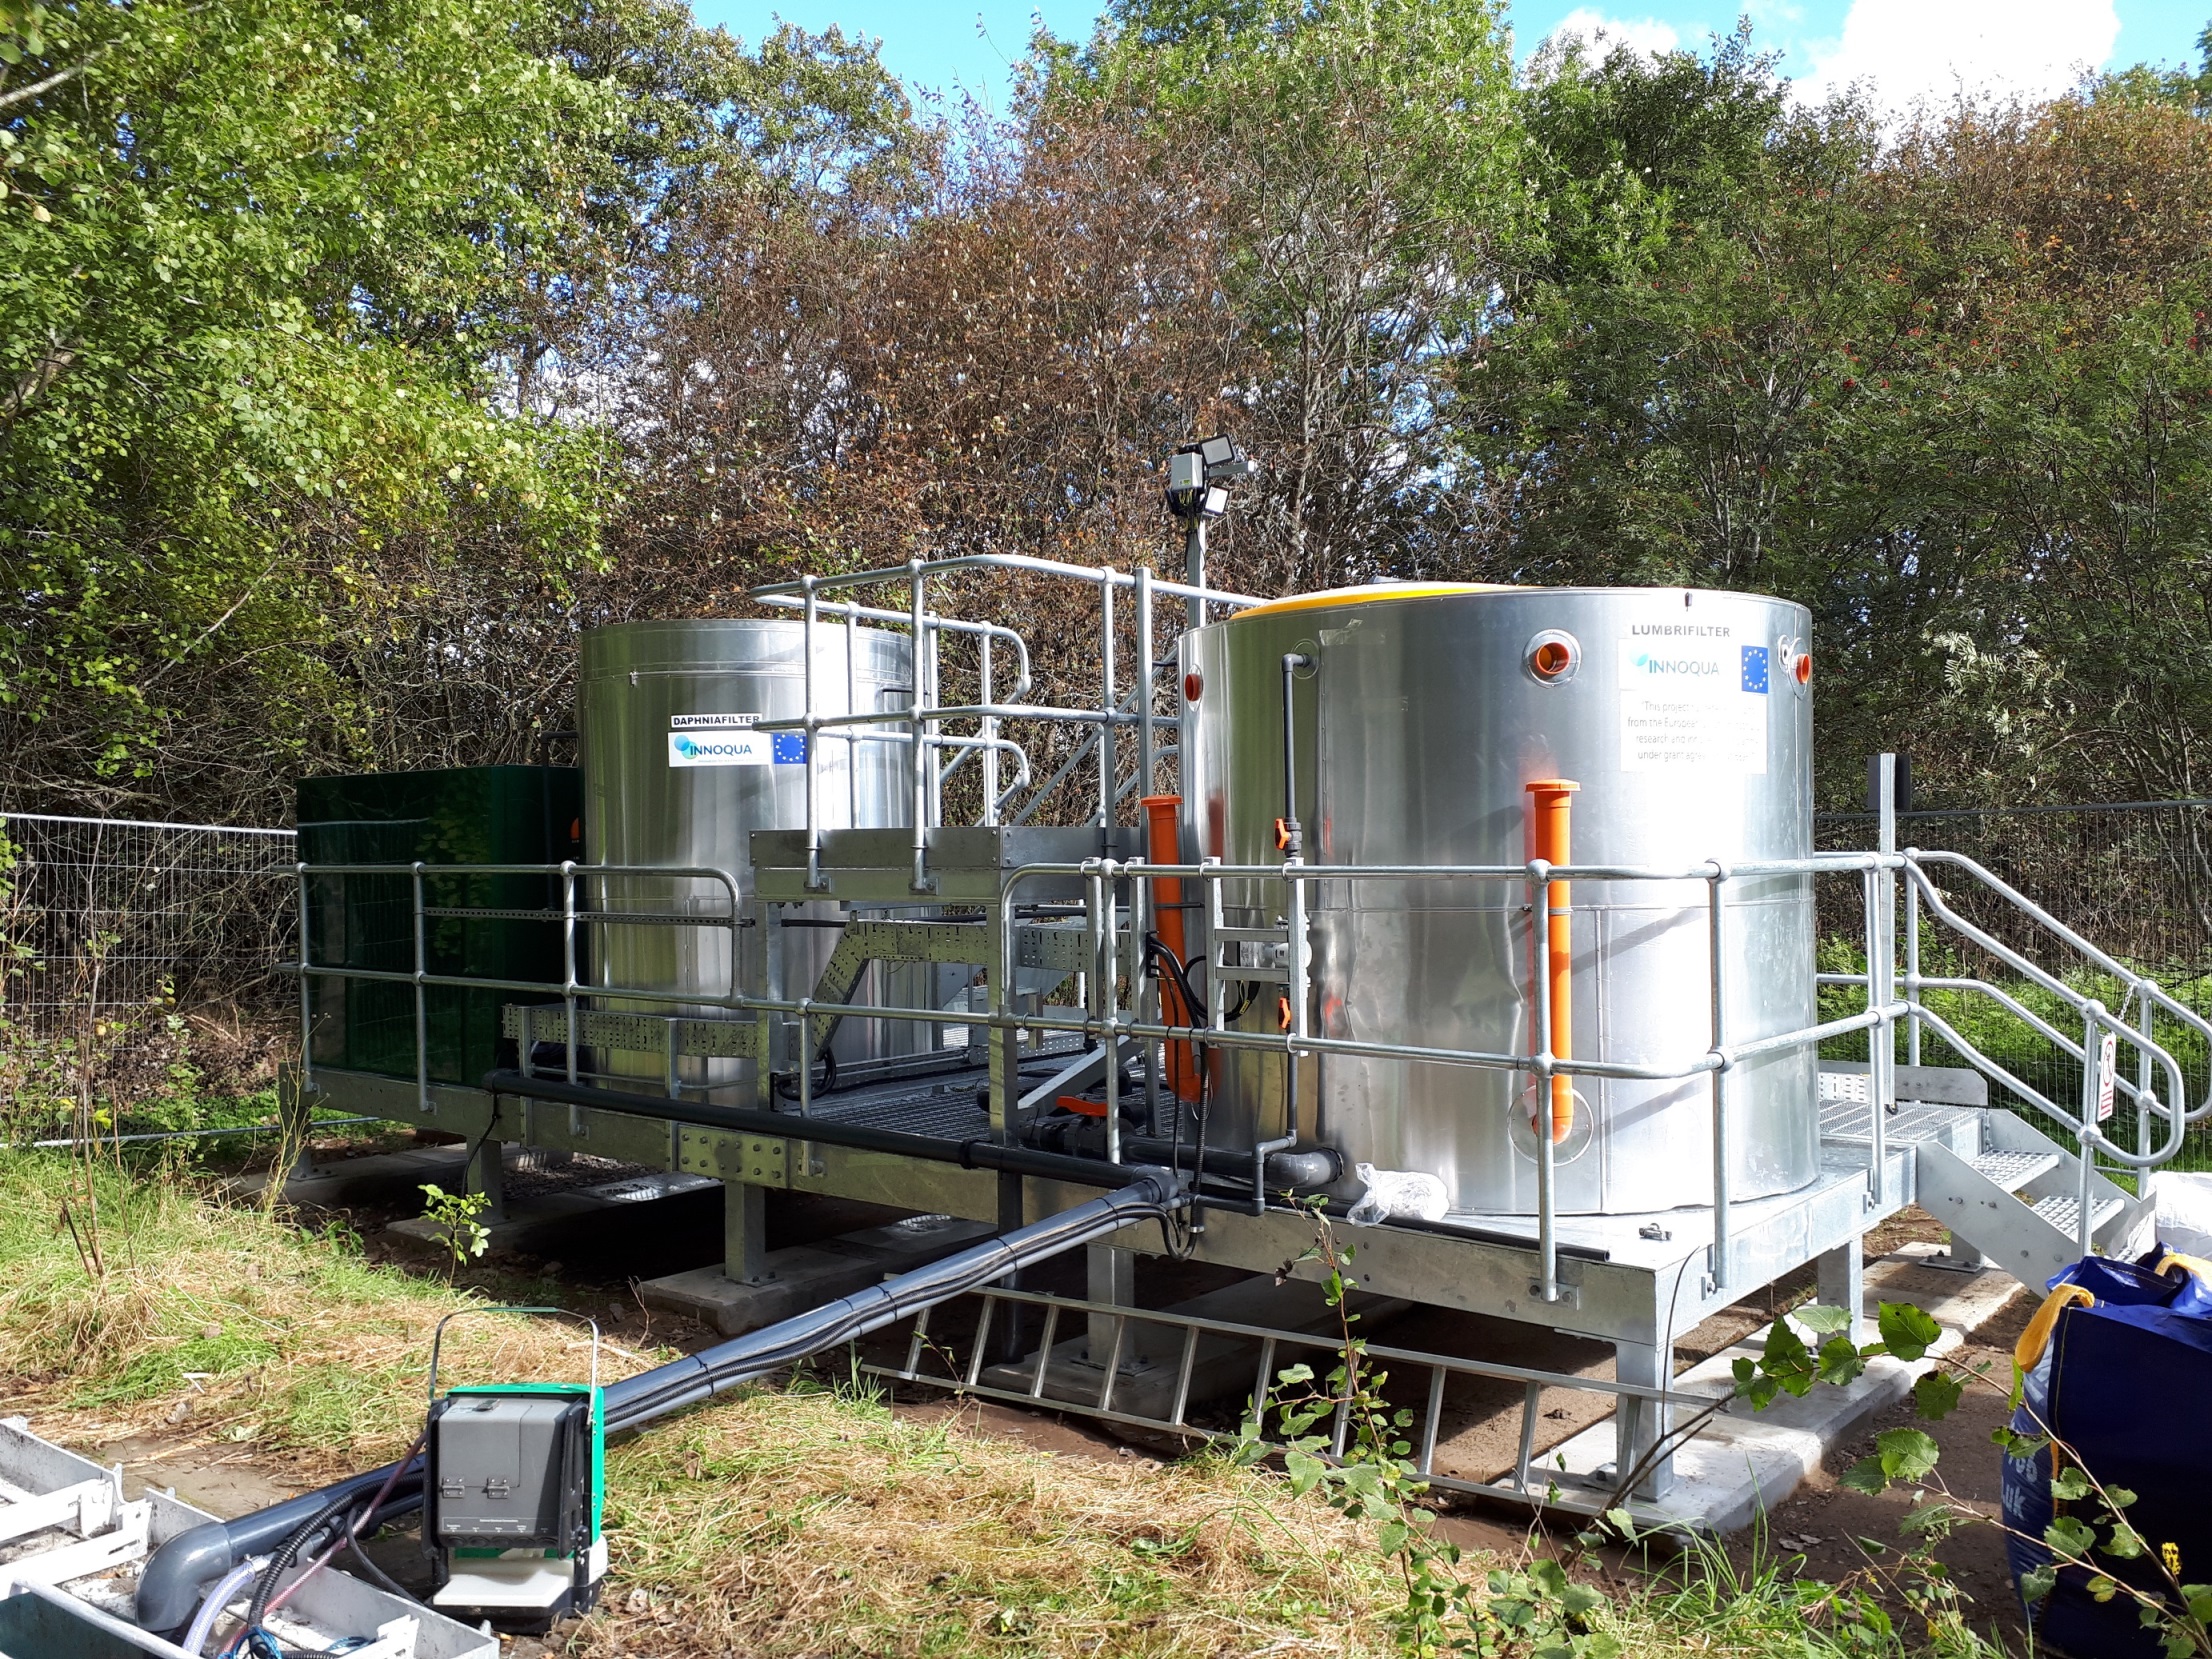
675, 774
1682, 716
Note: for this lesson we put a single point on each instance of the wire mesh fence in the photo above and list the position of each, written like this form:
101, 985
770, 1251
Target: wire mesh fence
2134, 879
137, 958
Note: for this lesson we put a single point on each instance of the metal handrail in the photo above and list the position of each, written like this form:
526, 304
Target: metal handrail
926, 713
2138, 984
568, 870
2095, 1016
883, 576
938, 624
1104, 1021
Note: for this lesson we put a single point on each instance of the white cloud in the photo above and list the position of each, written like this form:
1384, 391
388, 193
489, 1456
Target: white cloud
1907, 50
1646, 35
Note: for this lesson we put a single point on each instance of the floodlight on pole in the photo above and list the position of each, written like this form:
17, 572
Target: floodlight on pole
1198, 480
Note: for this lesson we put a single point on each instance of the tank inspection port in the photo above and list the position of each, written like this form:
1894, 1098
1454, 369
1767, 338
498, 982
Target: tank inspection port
1552, 657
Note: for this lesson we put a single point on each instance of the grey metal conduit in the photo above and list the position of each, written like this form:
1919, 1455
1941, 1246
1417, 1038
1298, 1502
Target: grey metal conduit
178, 1574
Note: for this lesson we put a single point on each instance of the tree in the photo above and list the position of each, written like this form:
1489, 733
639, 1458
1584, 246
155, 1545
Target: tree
256, 254
1942, 389
1371, 165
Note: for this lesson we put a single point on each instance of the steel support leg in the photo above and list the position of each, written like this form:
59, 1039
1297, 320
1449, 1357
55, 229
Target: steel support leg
1842, 1283
744, 1233
1637, 1424
487, 1173
1111, 1277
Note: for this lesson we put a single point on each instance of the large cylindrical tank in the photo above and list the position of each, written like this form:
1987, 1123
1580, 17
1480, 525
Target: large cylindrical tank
674, 774
1682, 716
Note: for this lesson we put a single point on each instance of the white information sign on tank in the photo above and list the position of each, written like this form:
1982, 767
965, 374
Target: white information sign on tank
1693, 699
730, 740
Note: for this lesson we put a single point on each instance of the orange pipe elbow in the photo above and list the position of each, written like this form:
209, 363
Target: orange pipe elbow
1550, 838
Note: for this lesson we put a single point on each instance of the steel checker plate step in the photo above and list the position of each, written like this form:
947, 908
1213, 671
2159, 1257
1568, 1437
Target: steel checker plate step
2065, 1213
2014, 1170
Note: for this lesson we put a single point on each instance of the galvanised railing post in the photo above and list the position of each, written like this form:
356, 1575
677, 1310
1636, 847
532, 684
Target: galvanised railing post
809, 737
1145, 673
2092, 1095
1717, 957
1110, 1003
1912, 969
568, 960
422, 1013
307, 989
919, 763
1881, 977
1106, 756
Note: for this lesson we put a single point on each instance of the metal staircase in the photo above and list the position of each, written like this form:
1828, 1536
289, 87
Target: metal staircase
2013, 1195
2016, 1201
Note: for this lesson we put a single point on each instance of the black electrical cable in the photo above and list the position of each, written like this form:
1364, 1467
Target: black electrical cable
264, 1587
787, 1087
382, 1579
1188, 1224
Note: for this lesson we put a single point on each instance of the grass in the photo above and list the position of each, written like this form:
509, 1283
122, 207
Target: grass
218, 1323
780, 1523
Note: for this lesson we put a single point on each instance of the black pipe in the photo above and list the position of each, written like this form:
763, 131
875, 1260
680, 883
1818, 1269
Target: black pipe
1150, 1195
1307, 1171
180, 1573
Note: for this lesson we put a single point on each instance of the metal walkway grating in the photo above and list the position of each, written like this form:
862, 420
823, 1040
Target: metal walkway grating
938, 1106
1851, 1122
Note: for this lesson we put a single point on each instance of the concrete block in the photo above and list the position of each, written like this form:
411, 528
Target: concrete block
807, 1275
1745, 1462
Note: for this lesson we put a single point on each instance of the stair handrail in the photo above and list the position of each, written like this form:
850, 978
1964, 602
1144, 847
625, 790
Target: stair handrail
2085, 1132
2138, 985
2093, 1012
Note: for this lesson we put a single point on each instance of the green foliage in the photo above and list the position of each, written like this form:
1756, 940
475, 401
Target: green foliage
455, 1217
256, 255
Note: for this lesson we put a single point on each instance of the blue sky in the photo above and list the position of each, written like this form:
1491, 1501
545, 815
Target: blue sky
1905, 48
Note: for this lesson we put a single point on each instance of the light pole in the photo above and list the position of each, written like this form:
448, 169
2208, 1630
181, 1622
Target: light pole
1198, 479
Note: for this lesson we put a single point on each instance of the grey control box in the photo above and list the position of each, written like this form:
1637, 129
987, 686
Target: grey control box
502, 1467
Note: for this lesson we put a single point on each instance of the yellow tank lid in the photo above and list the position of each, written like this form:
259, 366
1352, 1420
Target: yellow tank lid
1370, 594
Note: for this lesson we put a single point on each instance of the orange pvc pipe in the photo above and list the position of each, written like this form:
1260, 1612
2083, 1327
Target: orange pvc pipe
1550, 811
1163, 818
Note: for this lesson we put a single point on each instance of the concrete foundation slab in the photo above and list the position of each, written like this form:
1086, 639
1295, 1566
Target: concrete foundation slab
805, 1276
521, 1218
1745, 1462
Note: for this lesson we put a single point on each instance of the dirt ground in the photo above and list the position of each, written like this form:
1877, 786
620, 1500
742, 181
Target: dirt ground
1824, 1523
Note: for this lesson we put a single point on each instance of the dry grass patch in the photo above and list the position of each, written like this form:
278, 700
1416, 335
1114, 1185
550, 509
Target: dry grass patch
814, 1524
217, 1323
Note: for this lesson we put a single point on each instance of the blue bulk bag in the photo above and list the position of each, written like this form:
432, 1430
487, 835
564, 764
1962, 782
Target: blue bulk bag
2118, 1366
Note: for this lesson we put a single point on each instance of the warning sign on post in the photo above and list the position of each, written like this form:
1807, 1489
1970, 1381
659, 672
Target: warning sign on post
1693, 704
2108, 1061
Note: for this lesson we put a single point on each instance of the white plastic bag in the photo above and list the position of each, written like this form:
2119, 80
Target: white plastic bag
1394, 1194
2184, 1210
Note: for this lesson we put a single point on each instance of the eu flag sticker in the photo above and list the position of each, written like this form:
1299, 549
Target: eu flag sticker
790, 747
1754, 671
